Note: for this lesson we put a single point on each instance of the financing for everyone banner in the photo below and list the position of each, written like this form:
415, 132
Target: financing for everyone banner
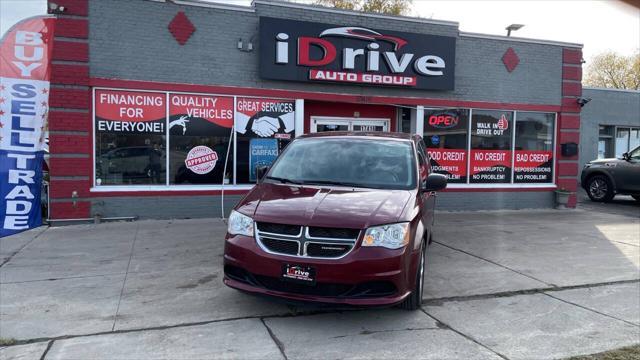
25, 57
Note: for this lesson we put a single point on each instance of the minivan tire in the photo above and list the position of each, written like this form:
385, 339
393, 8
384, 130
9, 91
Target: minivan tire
599, 188
414, 300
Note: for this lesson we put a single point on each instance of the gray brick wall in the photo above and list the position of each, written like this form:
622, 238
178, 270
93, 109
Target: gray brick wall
607, 107
182, 207
163, 207
507, 200
129, 40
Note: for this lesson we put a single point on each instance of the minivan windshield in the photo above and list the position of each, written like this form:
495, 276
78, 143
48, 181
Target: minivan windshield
367, 163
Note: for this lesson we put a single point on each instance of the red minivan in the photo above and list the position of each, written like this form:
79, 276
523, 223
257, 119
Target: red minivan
340, 217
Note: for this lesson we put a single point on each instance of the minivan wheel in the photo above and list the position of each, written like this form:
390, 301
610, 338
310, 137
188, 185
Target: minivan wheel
414, 300
599, 188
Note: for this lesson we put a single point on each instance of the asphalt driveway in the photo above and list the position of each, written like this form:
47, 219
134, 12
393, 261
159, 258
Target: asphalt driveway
508, 284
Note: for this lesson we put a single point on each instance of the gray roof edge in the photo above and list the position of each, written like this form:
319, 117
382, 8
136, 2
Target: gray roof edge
611, 89
354, 12
519, 39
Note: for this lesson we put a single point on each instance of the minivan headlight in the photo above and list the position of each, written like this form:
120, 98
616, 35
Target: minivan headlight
391, 236
240, 224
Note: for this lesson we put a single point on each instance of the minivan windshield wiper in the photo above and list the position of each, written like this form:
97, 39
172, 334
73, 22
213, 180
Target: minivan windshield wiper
283, 180
336, 183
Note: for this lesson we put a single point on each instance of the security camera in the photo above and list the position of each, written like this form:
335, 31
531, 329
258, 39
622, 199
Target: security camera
55, 8
583, 101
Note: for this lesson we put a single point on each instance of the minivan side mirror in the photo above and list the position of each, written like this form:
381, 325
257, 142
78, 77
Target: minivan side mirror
626, 156
261, 171
434, 182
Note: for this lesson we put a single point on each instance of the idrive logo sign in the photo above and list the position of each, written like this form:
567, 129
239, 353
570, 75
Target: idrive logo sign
304, 51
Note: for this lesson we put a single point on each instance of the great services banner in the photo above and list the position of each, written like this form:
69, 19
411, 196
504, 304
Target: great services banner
25, 57
260, 117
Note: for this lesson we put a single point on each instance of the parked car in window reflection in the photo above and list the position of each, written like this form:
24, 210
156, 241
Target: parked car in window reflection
135, 164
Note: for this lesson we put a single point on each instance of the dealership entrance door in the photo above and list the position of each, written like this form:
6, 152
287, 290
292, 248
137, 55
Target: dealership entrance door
325, 123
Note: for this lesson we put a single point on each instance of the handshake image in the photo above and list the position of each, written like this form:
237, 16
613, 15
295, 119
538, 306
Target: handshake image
265, 126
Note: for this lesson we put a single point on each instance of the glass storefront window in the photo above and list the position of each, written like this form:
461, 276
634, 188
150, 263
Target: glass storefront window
130, 138
199, 136
491, 133
263, 128
634, 139
622, 141
446, 136
533, 161
164, 138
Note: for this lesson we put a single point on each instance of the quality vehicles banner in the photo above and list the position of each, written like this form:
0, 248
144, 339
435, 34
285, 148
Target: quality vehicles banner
199, 134
25, 58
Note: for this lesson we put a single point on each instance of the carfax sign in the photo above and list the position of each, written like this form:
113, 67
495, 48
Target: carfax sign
262, 152
314, 52
25, 55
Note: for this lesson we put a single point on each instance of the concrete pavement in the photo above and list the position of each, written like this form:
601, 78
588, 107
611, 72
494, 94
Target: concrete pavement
505, 284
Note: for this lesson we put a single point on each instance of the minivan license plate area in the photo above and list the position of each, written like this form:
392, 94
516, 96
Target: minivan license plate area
299, 274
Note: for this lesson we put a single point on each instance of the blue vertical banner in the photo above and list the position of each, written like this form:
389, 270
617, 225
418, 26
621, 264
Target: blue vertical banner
262, 152
25, 57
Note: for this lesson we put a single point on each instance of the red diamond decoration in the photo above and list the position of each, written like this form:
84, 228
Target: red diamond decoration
181, 28
510, 59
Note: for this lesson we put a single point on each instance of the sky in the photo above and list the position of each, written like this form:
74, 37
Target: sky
601, 25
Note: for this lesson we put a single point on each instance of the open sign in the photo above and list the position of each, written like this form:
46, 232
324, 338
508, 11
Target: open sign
444, 121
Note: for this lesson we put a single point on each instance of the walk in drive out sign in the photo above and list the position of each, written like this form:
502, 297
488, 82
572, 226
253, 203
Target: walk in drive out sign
25, 56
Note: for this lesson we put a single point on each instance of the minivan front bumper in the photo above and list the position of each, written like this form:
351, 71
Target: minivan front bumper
364, 277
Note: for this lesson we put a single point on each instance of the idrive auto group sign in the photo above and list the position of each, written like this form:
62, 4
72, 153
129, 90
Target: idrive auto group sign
313, 52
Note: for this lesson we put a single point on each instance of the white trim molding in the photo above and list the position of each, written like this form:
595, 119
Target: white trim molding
169, 188
299, 117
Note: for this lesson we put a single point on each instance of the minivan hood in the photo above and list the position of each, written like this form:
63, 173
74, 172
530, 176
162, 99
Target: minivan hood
604, 161
324, 206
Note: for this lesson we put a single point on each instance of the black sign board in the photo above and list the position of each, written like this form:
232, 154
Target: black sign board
314, 52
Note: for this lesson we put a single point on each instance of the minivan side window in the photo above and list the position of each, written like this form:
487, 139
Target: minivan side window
423, 148
422, 160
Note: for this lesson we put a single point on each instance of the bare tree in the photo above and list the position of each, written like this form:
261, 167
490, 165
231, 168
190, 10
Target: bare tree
393, 7
341, 4
612, 70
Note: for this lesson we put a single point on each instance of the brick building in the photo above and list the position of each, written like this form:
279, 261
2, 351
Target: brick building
610, 123
157, 105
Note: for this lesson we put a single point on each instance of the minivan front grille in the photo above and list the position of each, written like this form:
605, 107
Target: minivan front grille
302, 241
333, 233
289, 230
288, 247
327, 250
